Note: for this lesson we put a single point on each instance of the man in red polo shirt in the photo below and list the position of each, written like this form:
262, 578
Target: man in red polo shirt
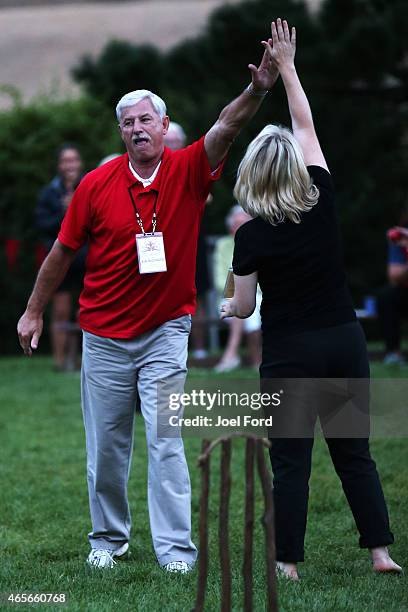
140, 215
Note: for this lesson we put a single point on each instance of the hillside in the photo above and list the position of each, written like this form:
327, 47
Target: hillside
39, 44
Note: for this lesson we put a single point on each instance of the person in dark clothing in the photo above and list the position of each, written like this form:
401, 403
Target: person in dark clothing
52, 204
292, 247
392, 302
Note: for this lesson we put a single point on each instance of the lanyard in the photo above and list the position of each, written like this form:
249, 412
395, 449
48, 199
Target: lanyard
138, 218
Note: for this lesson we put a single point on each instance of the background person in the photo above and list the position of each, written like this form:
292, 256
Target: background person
251, 326
51, 207
141, 215
108, 158
392, 302
292, 247
176, 137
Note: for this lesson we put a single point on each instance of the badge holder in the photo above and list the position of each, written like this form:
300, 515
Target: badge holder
150, 253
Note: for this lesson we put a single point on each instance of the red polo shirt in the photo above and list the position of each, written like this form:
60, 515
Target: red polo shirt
117, 301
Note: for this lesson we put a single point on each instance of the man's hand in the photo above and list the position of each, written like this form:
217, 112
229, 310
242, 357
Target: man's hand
52, 271
281, 48
29, 330
265, 76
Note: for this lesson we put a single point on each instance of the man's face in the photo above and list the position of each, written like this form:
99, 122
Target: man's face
143, 131
70, 165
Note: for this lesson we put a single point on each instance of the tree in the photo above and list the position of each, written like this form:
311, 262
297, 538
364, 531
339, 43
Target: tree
362, 115
120, 68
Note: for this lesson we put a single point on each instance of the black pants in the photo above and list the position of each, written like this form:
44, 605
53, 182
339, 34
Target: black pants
392, 304
334, 352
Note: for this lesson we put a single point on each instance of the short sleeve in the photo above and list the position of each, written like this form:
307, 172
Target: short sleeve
321, 178
75, 226
201, 175
396, 254
244, 261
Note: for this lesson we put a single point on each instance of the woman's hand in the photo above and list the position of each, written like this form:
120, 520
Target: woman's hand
242, 305
282, 46
228, 309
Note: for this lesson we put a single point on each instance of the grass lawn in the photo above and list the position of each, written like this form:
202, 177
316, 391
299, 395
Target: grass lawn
44, 515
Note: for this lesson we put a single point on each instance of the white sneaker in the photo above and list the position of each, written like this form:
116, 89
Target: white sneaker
103, 557
177, 567
227, 365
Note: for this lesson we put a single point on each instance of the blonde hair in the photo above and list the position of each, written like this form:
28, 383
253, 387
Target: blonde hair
273, 181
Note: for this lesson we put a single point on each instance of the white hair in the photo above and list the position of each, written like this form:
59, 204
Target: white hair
133, 97
177, 130
108, 158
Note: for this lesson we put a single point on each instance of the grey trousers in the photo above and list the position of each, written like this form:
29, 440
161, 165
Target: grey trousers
113, 371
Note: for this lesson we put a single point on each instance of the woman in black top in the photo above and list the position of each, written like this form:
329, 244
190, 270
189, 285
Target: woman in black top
292, 248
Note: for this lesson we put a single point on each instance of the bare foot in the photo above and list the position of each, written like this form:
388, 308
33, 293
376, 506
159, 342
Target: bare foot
289, 570
382, 561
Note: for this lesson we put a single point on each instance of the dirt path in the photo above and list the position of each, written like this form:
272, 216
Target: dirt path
40, 44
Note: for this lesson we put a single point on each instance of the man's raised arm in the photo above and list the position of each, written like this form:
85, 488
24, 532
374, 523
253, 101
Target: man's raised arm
234, 116
50, 276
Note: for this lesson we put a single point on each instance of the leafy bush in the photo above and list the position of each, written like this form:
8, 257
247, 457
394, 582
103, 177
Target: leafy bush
121, 67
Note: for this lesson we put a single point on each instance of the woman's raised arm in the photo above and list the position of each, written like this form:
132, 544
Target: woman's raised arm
282, 48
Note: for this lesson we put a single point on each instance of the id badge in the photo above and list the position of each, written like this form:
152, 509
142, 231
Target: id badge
150, 253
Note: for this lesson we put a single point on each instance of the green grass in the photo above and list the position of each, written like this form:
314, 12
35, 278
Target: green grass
44, 515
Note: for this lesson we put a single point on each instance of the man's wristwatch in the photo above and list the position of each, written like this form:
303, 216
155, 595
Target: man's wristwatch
257, 94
